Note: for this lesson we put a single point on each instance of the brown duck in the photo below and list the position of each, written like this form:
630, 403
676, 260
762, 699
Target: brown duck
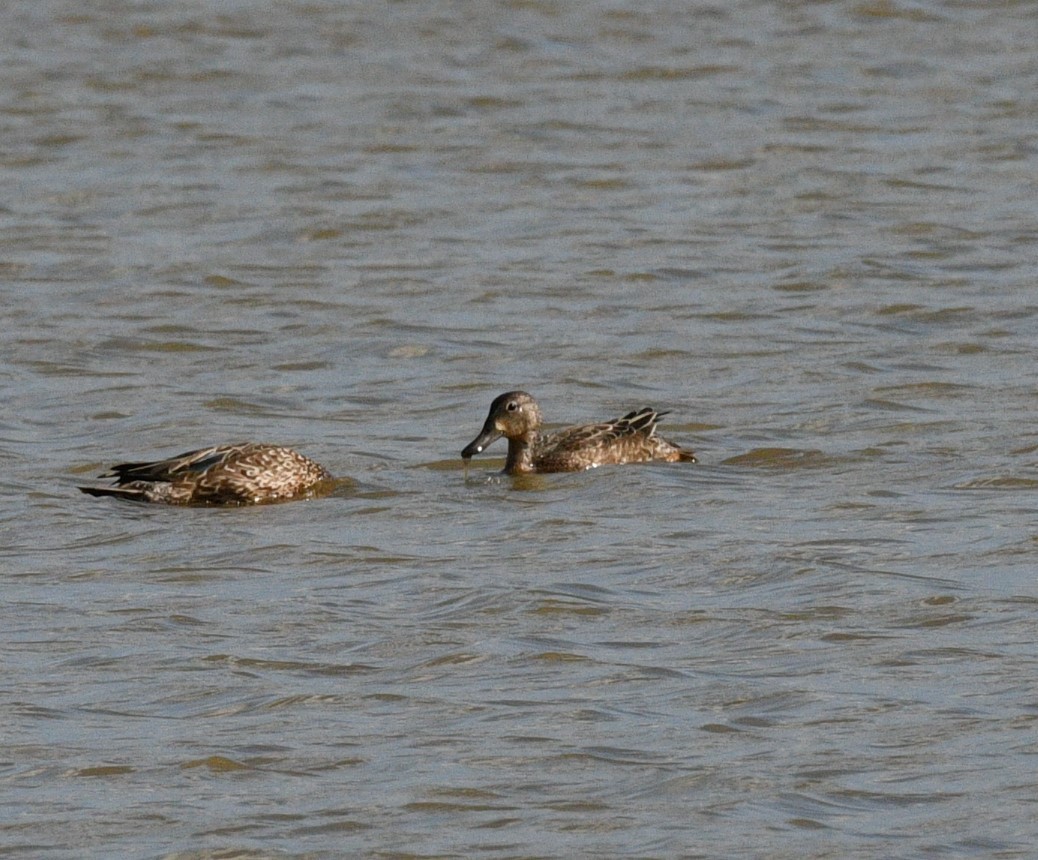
248, 473
517, 417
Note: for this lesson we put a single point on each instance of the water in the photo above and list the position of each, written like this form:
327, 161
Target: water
806, 229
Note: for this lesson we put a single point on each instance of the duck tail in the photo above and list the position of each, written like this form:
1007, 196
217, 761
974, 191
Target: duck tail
131, 494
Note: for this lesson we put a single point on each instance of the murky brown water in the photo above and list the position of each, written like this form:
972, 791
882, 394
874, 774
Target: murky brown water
807, 229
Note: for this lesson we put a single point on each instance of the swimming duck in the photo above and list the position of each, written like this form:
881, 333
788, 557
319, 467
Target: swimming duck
247, 473
516, 416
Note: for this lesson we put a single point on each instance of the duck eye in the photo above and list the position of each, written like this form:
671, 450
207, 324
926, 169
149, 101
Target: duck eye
512, 406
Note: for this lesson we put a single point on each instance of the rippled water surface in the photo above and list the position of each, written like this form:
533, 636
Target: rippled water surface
807, 229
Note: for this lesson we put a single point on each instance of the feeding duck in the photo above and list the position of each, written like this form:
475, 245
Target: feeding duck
247, 473
630, 439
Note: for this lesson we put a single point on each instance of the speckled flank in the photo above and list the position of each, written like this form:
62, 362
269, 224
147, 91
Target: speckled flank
243, 474
630, 439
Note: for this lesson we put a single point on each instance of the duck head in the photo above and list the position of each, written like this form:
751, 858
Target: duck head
514, 415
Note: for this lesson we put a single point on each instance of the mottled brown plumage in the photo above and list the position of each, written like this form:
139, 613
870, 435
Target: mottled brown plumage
247, 473
630, 439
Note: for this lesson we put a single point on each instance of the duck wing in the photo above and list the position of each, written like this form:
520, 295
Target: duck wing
587, 437
182, 465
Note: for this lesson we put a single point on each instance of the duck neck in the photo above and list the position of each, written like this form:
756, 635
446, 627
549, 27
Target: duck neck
520, 454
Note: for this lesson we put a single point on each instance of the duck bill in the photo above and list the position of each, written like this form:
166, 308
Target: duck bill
489, 435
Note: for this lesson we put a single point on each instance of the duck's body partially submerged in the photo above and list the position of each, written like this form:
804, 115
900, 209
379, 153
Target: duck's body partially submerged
248, 473
630, 439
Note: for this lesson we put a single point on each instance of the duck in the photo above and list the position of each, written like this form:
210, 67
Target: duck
245, 473
629, 439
